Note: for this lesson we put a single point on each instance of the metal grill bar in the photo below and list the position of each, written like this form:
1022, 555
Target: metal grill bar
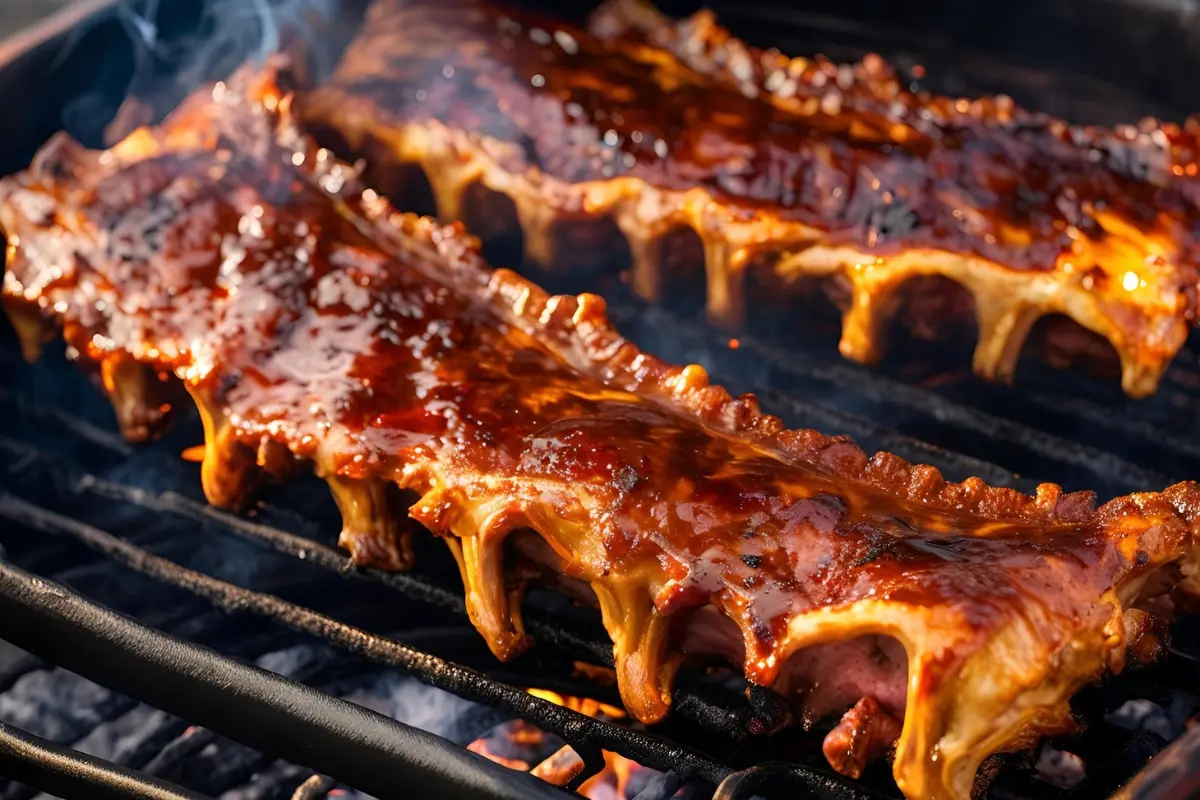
72, 775
1114, 420
81, 428
265, 711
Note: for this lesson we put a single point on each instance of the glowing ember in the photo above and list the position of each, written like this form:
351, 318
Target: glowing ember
518, 743
480, 746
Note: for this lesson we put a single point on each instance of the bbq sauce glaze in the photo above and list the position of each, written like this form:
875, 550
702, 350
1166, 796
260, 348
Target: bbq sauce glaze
843, 148
310, 322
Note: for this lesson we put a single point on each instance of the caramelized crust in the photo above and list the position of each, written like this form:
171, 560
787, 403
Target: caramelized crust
801, 167
312, 323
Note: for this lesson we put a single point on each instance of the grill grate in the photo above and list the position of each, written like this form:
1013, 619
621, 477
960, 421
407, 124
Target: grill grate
586, 734
266, 710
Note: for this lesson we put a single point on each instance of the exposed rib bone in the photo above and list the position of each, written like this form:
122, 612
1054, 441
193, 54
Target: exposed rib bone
228, 473
140, 399
645, 673
372, 529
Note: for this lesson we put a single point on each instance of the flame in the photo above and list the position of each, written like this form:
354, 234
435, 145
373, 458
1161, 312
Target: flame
604, 676
617, 773
584, 705
195, 454
564, 764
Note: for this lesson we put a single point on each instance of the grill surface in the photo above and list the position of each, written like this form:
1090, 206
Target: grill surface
128, 526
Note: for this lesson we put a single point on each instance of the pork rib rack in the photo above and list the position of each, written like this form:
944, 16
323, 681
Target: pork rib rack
311, 323
792, 168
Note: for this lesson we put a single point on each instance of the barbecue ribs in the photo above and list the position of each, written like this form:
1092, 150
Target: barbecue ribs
793, 168
311, 323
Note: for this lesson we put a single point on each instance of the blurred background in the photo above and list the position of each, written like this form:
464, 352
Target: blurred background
17, 13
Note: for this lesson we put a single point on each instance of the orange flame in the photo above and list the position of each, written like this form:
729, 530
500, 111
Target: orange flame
584, 705
195, 454
480, 746
565, 763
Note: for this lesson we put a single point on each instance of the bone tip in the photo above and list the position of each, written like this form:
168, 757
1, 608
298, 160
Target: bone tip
141, 422
1140, 379
510, 644
860, 347
376, 552
724, 313
990, 367
646, 282
647, 703
227, 474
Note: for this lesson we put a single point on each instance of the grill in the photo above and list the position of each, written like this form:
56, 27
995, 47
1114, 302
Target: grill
159, 648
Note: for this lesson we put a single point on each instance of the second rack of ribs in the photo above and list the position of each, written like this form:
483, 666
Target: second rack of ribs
313, 324
794, 167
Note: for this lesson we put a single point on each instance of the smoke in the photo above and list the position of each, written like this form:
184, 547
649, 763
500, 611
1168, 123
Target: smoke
153, 53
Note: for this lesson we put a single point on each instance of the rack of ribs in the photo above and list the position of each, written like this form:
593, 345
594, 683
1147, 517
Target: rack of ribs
795, 170
313, 324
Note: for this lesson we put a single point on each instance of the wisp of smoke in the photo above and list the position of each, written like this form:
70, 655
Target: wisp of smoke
177, 46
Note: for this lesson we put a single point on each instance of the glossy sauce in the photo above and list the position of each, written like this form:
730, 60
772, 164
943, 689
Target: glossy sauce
244, 276
865, 160
312, 322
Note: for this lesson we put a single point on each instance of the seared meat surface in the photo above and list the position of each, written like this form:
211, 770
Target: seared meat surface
801, 168
310, 322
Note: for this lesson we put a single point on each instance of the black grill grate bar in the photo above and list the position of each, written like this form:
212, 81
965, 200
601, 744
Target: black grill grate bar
72, 775
1095, 413
586, 734
97, 721
261, 709
887, 391
81, 428
23, 454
